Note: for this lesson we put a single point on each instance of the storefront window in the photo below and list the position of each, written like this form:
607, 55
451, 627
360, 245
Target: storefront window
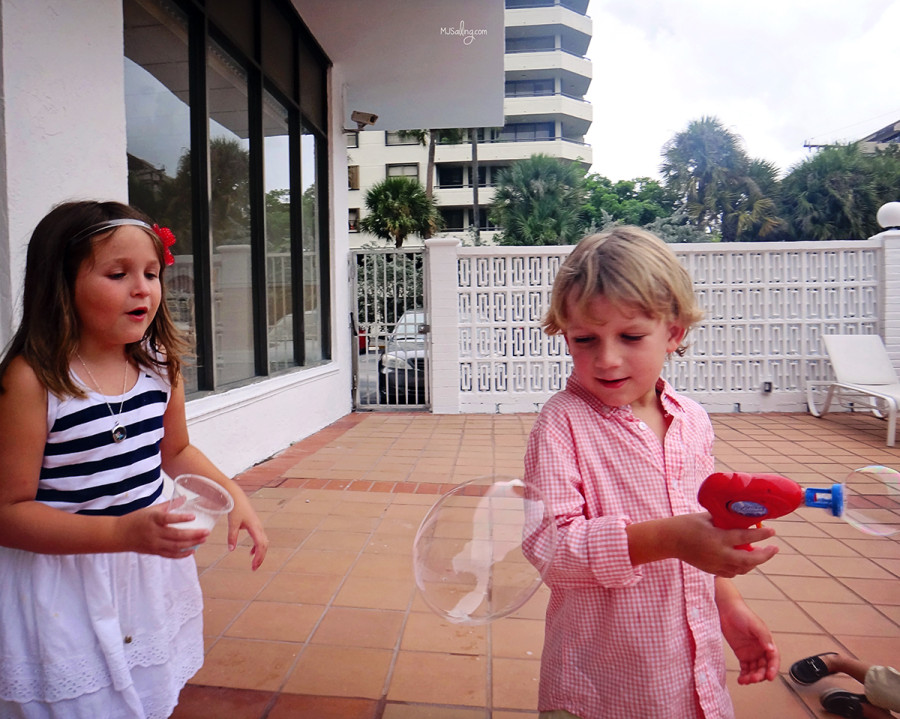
225, 181
159, 139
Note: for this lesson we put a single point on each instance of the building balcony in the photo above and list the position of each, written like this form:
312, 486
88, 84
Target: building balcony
574, 28
575, 71
576, 114
505, 152
462, 196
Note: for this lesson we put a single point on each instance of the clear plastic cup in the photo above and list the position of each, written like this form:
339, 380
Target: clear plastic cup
205, 499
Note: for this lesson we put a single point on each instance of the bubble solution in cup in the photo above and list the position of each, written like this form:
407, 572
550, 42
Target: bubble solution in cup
205, 499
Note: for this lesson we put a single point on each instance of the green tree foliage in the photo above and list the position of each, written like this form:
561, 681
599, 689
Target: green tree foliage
836, 193
278, 220
676, 228
398, 207
430, 138
539, 201
632, 202
387, 284
229, 174
715, 182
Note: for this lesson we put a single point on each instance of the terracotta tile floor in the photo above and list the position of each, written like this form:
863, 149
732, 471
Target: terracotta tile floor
332, 627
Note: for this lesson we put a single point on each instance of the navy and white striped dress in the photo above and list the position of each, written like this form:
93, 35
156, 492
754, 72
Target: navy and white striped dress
99, 635
84, 471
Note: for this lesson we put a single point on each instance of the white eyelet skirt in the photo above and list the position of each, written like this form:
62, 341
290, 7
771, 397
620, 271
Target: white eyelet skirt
84, 636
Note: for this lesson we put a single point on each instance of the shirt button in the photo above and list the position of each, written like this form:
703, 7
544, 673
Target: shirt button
642, 425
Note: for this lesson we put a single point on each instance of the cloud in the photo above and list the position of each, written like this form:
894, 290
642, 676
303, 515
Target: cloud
776, 72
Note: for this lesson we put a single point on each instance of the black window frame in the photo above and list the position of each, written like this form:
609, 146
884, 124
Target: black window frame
225, 25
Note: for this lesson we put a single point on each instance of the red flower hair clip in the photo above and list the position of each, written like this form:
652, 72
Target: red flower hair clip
168, 239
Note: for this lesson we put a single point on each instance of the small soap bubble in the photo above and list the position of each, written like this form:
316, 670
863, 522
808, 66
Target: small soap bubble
872, 500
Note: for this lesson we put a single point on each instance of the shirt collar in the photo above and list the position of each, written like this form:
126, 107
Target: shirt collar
670, 400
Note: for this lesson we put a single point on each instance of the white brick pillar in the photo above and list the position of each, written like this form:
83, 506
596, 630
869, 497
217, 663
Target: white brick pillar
889, 217
890, 297
441, 262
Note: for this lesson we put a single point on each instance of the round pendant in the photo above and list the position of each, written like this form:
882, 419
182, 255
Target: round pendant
119, 433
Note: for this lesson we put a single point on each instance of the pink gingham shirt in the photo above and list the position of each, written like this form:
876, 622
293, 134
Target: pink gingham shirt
621, 641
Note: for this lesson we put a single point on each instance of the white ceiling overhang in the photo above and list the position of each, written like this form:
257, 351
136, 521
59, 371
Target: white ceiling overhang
416, 64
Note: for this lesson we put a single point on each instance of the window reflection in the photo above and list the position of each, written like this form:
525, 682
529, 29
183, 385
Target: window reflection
158, 134
229, 166
279, 288
312, 288
229, 322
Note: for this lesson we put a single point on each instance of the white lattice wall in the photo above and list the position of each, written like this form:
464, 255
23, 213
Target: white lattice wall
504, 356
766, 308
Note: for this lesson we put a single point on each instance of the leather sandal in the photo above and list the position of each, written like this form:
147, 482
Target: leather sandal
843, 703
811, 669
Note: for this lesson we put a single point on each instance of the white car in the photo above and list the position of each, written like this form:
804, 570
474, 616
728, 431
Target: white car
401, 369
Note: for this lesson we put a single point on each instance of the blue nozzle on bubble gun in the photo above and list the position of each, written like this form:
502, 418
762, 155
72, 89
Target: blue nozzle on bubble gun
833, 498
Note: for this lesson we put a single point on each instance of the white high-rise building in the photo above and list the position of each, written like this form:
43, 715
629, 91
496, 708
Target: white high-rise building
547, 76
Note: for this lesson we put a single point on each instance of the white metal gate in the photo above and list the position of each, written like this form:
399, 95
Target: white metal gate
390, 326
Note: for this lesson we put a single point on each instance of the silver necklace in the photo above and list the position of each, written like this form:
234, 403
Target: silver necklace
118, 431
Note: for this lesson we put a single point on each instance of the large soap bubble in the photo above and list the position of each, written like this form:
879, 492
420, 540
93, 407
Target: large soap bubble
483, 549
872, 500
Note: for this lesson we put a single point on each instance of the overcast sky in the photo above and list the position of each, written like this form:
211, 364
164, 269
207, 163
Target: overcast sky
776, 72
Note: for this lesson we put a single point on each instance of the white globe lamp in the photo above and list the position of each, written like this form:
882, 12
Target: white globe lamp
889, 215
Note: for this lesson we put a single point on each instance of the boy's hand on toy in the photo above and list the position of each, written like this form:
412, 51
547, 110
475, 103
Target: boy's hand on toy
154, 530
714, 550
694, 539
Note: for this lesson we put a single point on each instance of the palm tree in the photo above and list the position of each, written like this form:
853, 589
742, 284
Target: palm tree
720, 188
699, 166
539, 201
430, 138
755, 214
398, 207
476, 205
835, 194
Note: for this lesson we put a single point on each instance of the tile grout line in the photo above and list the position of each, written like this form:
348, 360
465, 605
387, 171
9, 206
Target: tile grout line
328, 606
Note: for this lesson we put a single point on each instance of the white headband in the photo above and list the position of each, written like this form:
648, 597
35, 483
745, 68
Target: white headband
108, 225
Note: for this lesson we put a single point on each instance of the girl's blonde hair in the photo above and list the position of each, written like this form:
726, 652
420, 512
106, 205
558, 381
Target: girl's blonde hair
48, 333
629, 267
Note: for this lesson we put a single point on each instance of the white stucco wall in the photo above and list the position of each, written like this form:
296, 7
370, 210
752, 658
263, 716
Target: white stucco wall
64, 117
64, 121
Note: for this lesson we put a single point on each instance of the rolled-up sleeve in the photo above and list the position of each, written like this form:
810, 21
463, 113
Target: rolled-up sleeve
590, 550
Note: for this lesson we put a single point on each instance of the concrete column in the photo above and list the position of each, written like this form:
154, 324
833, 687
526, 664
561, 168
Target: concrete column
441, 283
890, 293
889, 217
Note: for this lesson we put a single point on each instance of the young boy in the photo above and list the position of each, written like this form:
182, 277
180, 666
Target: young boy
639, 592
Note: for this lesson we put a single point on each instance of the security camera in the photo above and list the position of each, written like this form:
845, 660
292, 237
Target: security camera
363, 118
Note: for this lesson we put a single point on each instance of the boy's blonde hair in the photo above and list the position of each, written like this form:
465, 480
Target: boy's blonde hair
629, 267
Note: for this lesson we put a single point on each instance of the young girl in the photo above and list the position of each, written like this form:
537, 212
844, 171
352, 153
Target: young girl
100, 606
635, 619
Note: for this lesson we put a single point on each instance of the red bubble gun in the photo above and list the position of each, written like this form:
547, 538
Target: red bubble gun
738, 500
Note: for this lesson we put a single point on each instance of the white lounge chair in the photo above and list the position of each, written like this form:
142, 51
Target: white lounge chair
865, 379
